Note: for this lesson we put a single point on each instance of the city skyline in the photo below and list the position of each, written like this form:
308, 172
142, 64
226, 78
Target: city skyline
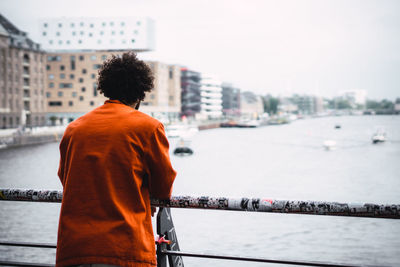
277, 48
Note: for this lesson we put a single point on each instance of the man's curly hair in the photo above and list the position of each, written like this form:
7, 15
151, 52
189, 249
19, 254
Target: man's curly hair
125, 78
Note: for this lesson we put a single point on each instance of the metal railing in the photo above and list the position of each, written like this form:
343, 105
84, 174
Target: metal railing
167, 243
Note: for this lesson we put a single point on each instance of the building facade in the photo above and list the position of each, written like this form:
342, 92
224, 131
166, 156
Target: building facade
230, 100
71, 87
22, 79
211, 97
190, 94
102, 33
251, 105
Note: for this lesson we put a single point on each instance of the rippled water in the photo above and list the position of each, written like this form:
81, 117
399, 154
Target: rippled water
281, 162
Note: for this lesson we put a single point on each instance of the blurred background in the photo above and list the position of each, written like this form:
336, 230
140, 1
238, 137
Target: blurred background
282, 100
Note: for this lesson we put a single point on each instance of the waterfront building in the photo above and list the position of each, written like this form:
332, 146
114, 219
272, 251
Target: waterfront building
230, 100
251, 105
354, 97
22, 78
190, 94
71, 87
211, 98
397, 106
305, 104
101, 33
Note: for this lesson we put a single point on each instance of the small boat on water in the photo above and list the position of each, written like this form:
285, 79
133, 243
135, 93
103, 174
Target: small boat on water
183, 148
379, 137
338, 126
329, 144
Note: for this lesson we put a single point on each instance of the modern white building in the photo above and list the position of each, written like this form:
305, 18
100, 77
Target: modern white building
355, 97
211, 97
100, 33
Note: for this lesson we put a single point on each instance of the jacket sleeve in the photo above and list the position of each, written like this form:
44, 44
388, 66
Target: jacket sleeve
161, 174
63, 151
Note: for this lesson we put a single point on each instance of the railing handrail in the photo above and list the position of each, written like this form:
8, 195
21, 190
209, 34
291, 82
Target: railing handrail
391, 211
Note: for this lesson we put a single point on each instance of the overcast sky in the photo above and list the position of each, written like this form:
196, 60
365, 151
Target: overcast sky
277, 47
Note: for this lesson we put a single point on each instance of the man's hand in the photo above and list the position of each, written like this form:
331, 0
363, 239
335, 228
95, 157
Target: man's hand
153, 210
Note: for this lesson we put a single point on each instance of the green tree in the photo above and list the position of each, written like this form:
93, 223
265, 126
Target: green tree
270, 104
343, 104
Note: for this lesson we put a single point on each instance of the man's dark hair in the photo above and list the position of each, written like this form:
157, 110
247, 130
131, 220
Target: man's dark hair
125, 78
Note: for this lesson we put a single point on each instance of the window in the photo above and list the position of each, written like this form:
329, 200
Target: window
70, 103
74, 94
54, 58
62, 67
171, 74
112, 32
47, 67
81, 57
84, 71
93, 57
55, 103
44, 33
90, 34
93, 76
65, 85
81, 32
48, 94
101, 33
68, 42
51, 76
103, 57
94, 89
81, 80
60, 94
133, 40
62, 75
83, 89
58, 33
60, 42
104, 24
138, 23
45, 25
111, 23
96, 66
81, 24
59, 25
50, 41
72, 25
99, 41
73, 33
92, 103
51, 85
121, 32
71, 76
79, 41
81, 98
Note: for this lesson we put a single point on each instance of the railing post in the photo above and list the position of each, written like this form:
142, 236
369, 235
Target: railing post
166, 229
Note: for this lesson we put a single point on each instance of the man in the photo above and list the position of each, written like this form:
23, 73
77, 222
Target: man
113, 159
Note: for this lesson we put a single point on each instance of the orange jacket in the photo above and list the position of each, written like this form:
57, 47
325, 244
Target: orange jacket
112, 160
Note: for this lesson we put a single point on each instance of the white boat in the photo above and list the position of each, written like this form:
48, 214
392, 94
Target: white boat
379, 137
181, 130
329, 144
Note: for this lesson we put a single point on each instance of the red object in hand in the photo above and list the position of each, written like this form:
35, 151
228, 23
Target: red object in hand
160, 240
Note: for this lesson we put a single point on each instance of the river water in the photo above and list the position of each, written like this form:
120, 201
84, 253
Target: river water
276, 162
